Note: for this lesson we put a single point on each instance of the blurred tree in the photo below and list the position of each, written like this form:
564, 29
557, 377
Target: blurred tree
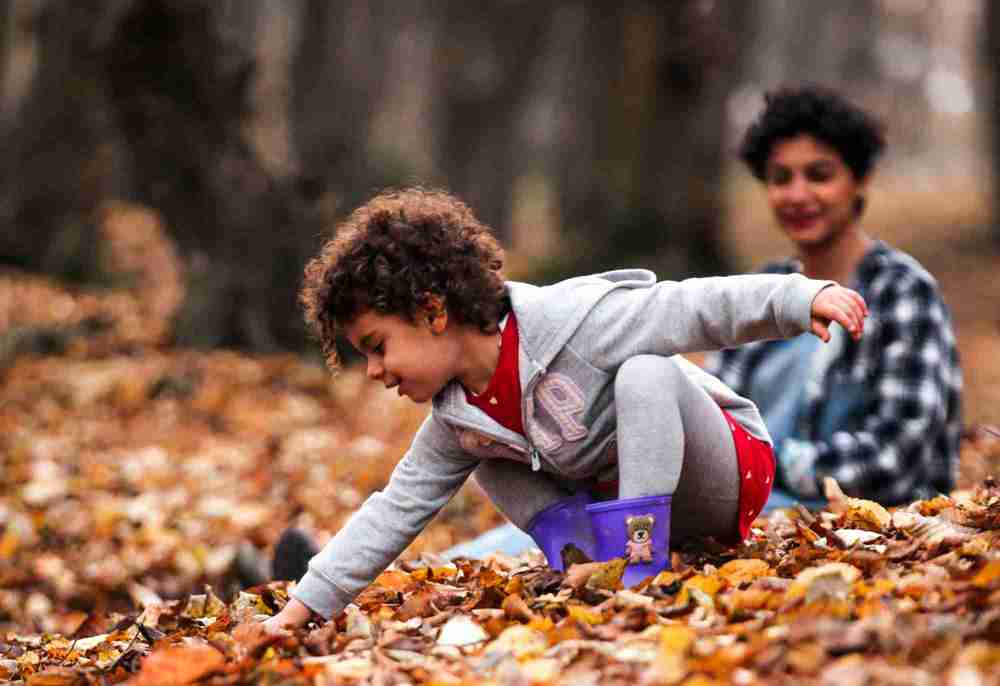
642, 109
147, 100
335, 87
180, 90
485, 60
619, 109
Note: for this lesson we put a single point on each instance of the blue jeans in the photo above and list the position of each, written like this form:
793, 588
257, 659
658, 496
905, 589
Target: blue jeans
781, 499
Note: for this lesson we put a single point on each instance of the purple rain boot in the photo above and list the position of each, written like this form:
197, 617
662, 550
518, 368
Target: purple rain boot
560, 524
637, 529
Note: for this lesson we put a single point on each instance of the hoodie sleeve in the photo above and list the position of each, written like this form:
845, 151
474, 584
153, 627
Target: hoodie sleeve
673, 317
430, 473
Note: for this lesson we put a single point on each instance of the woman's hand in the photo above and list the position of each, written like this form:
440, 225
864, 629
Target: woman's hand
841, 305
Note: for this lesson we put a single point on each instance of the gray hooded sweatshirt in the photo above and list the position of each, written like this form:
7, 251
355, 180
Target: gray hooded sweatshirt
573, 337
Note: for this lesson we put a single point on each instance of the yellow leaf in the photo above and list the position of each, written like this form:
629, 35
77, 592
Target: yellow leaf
737, 572
676, 638
709, 585
440, 573
585, 614
665, 578
669, 666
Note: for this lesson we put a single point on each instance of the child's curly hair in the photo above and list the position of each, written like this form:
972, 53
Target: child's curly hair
394, 253
821, 113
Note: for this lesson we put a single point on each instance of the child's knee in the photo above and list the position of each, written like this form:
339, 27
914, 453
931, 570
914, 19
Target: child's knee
646, 373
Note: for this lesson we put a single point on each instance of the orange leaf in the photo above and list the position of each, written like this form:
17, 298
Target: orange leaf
56, 676
394, 580
179, 664
737, 572
988, 575
710, 585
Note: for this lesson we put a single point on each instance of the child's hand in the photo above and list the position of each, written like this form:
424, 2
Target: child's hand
841, 305
294, 614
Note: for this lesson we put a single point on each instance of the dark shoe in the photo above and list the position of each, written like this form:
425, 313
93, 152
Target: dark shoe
292, 553
250, 566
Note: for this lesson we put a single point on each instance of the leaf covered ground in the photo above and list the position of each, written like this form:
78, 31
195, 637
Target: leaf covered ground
136, 476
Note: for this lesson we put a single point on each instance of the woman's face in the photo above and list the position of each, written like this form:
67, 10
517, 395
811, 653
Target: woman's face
811, 191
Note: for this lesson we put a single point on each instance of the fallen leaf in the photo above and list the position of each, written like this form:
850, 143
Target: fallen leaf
180, 664
608, 575
520, 641
461, 630
833, 580
738, 572
56, 676
252, 638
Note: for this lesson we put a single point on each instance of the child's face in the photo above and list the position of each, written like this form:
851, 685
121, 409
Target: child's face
418, 358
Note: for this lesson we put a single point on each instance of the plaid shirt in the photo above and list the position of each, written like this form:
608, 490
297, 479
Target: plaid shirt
901, 443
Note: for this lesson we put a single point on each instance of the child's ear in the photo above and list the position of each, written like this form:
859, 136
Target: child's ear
438, 322
436, 314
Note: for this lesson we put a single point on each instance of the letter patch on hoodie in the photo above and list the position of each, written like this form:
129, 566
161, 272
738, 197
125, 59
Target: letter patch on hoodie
563, 401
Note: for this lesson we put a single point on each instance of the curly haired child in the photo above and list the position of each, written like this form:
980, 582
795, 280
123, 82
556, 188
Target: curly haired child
551, 396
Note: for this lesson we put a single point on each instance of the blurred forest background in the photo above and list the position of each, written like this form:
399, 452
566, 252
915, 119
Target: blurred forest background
168, 166
589, 135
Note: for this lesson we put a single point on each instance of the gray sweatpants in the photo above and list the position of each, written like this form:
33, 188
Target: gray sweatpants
672, 440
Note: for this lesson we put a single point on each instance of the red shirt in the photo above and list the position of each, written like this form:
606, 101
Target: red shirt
756, 460
502, 398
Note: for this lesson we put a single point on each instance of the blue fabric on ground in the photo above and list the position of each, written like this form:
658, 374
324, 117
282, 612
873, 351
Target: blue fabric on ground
506, 539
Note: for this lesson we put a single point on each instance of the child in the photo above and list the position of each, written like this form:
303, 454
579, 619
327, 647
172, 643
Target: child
550, 395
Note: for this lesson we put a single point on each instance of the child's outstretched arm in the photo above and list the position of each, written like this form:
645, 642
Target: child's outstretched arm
671, 317
421, 484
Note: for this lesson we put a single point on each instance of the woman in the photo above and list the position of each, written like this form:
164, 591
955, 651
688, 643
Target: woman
880, 415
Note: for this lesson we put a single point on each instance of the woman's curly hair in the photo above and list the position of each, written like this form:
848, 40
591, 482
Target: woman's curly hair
820, 113
393, 254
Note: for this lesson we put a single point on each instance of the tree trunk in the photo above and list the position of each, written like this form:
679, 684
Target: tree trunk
146, 100
641, 166
486, 57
